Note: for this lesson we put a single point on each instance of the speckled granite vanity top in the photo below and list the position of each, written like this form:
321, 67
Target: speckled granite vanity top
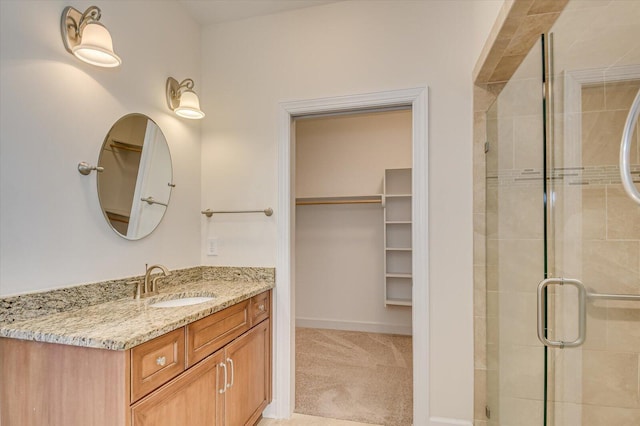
126, 322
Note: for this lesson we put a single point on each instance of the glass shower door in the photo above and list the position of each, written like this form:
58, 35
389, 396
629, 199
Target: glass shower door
592, 320
515, 248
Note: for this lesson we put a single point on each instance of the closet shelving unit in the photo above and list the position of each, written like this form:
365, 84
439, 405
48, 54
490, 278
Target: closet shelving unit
396, 197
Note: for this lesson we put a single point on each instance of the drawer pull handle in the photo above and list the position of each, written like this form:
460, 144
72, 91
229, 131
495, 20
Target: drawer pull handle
230, 361
224, 385
161, 361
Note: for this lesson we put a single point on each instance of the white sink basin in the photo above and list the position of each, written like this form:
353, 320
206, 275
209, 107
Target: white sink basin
185, 301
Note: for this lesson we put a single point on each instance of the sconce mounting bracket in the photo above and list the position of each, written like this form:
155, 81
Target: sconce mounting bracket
73, 21
174, 90
69, 27
173, 87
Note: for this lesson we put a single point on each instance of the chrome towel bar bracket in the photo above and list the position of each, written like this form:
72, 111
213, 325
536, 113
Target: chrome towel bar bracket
85, 168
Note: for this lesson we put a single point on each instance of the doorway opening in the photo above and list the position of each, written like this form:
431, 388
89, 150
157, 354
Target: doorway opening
353, 266
285, 309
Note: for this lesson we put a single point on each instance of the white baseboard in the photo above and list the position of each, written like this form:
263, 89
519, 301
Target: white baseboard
443, 421
270, 411
370, 327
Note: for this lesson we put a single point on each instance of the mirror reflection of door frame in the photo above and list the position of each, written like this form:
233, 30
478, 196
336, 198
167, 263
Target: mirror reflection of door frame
147, 177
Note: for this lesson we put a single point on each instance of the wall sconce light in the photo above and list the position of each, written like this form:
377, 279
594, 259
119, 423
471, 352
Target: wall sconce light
182, 100
86, 38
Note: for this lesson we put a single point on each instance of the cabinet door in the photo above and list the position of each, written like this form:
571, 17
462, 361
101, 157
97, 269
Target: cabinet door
249, 362
191, 399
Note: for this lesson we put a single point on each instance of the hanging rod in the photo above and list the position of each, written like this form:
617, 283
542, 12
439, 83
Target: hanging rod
126, 146
208, 212
117, 217
150, 200
313, 203
356, 199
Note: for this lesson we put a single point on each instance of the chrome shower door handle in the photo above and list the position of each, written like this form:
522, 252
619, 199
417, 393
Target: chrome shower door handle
625, 151
542, 313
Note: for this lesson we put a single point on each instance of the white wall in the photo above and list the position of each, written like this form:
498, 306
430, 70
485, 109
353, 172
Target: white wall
347, 155
339, 248
55, 112
344, 48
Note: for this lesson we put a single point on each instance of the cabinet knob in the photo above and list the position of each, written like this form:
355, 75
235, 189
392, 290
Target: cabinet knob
161, 361
261, 307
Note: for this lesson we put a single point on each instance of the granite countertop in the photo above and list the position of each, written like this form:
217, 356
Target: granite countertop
124, 323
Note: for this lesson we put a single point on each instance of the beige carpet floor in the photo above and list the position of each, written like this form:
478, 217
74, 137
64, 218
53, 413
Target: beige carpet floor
363, 377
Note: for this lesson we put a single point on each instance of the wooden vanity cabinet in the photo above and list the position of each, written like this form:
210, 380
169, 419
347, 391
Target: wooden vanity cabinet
60, 385
157, 383
228, 370
191, 399
231, 387
249, 386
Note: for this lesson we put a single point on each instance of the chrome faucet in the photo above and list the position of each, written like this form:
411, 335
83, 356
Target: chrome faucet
149, 286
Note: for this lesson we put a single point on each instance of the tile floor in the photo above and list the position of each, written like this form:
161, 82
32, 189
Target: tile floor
303, 420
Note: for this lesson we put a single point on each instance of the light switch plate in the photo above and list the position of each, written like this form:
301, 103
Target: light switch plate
212, 246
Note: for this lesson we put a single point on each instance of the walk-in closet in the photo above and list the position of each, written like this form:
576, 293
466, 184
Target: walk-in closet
353, 263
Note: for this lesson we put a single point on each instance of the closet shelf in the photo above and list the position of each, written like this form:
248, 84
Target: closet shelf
342, 199
398, 302
398, 249
397, 222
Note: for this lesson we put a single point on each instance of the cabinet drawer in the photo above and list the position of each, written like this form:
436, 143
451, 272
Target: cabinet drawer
209, 334
156, 362
260, 307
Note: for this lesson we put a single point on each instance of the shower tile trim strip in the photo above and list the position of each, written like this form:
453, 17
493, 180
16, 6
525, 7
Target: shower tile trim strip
591, 175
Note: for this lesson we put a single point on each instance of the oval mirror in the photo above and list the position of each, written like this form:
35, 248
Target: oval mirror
135, 186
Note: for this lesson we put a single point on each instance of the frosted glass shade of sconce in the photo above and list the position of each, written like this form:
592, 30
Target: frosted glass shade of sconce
189, 106
96, 47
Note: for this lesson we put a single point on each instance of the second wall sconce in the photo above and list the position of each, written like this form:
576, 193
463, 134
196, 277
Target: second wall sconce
86, 38
182, 100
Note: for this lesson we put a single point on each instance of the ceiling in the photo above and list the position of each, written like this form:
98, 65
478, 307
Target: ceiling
207, 12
